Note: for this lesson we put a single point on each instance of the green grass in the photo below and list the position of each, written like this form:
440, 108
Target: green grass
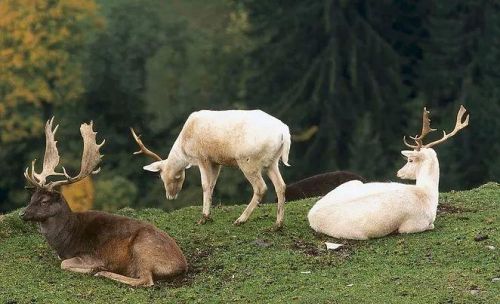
252, 264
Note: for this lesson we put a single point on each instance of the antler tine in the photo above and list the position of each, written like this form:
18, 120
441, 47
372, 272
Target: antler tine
459, 125
91, 157
29, 177
408, 145
143, 149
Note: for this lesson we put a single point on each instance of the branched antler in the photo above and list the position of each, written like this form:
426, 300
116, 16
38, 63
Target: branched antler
426, 129
90, 158
143, 149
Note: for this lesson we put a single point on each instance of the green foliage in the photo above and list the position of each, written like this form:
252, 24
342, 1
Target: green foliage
113, 193
41, 49
252, 264
196, 68
41, 46
360, 71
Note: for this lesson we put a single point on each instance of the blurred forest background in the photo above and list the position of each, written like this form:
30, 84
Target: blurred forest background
358, 71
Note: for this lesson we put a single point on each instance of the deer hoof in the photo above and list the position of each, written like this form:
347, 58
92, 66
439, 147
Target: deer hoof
204, 219
239, 222
277, 227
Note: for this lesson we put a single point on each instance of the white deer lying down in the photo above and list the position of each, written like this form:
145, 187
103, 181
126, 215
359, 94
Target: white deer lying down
362, 211
250, 140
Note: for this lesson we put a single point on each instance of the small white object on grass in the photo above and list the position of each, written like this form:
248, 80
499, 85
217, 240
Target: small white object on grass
333, 246
490, 247
305, 272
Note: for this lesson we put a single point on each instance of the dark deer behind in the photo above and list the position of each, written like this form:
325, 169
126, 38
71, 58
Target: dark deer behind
112, 246
319, 185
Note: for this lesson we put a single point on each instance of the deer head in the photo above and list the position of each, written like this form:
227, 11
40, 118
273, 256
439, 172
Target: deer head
172, 179
44, 204
46, 201
422, 152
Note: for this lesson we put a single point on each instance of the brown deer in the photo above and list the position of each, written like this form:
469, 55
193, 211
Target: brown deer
116, 247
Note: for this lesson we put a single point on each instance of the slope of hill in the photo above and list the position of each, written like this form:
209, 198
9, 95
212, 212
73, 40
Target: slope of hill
458, 262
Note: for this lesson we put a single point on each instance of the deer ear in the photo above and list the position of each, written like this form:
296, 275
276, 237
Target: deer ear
154, 167
31, 189
409, 153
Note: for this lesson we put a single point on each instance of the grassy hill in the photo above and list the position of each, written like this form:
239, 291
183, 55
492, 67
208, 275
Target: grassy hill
251, 263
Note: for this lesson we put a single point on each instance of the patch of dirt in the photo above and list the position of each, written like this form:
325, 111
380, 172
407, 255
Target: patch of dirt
480, 237
449, 209
195, 261
306, 248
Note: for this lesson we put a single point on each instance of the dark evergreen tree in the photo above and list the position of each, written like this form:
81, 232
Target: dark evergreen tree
460, 68
367, 149
325, 63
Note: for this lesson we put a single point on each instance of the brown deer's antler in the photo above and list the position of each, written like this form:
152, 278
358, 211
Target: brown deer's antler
459, 125
90, 158
143, 149
426, 129
50, 159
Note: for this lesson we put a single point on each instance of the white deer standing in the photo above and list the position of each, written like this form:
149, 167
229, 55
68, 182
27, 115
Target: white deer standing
253, 141
362, 211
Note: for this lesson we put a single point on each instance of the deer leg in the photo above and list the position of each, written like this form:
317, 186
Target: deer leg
259, 189
415, 226
81, 265
209, 173
145, 280
214, 176
279, 186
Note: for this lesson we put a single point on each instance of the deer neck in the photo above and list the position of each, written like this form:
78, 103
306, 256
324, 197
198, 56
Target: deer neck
177, 159
428, 178
58, 230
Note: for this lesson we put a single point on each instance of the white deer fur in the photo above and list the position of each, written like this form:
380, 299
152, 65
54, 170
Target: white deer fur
362, 211
251, 140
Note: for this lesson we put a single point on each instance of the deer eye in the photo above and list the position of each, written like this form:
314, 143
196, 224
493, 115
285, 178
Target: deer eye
410, 160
